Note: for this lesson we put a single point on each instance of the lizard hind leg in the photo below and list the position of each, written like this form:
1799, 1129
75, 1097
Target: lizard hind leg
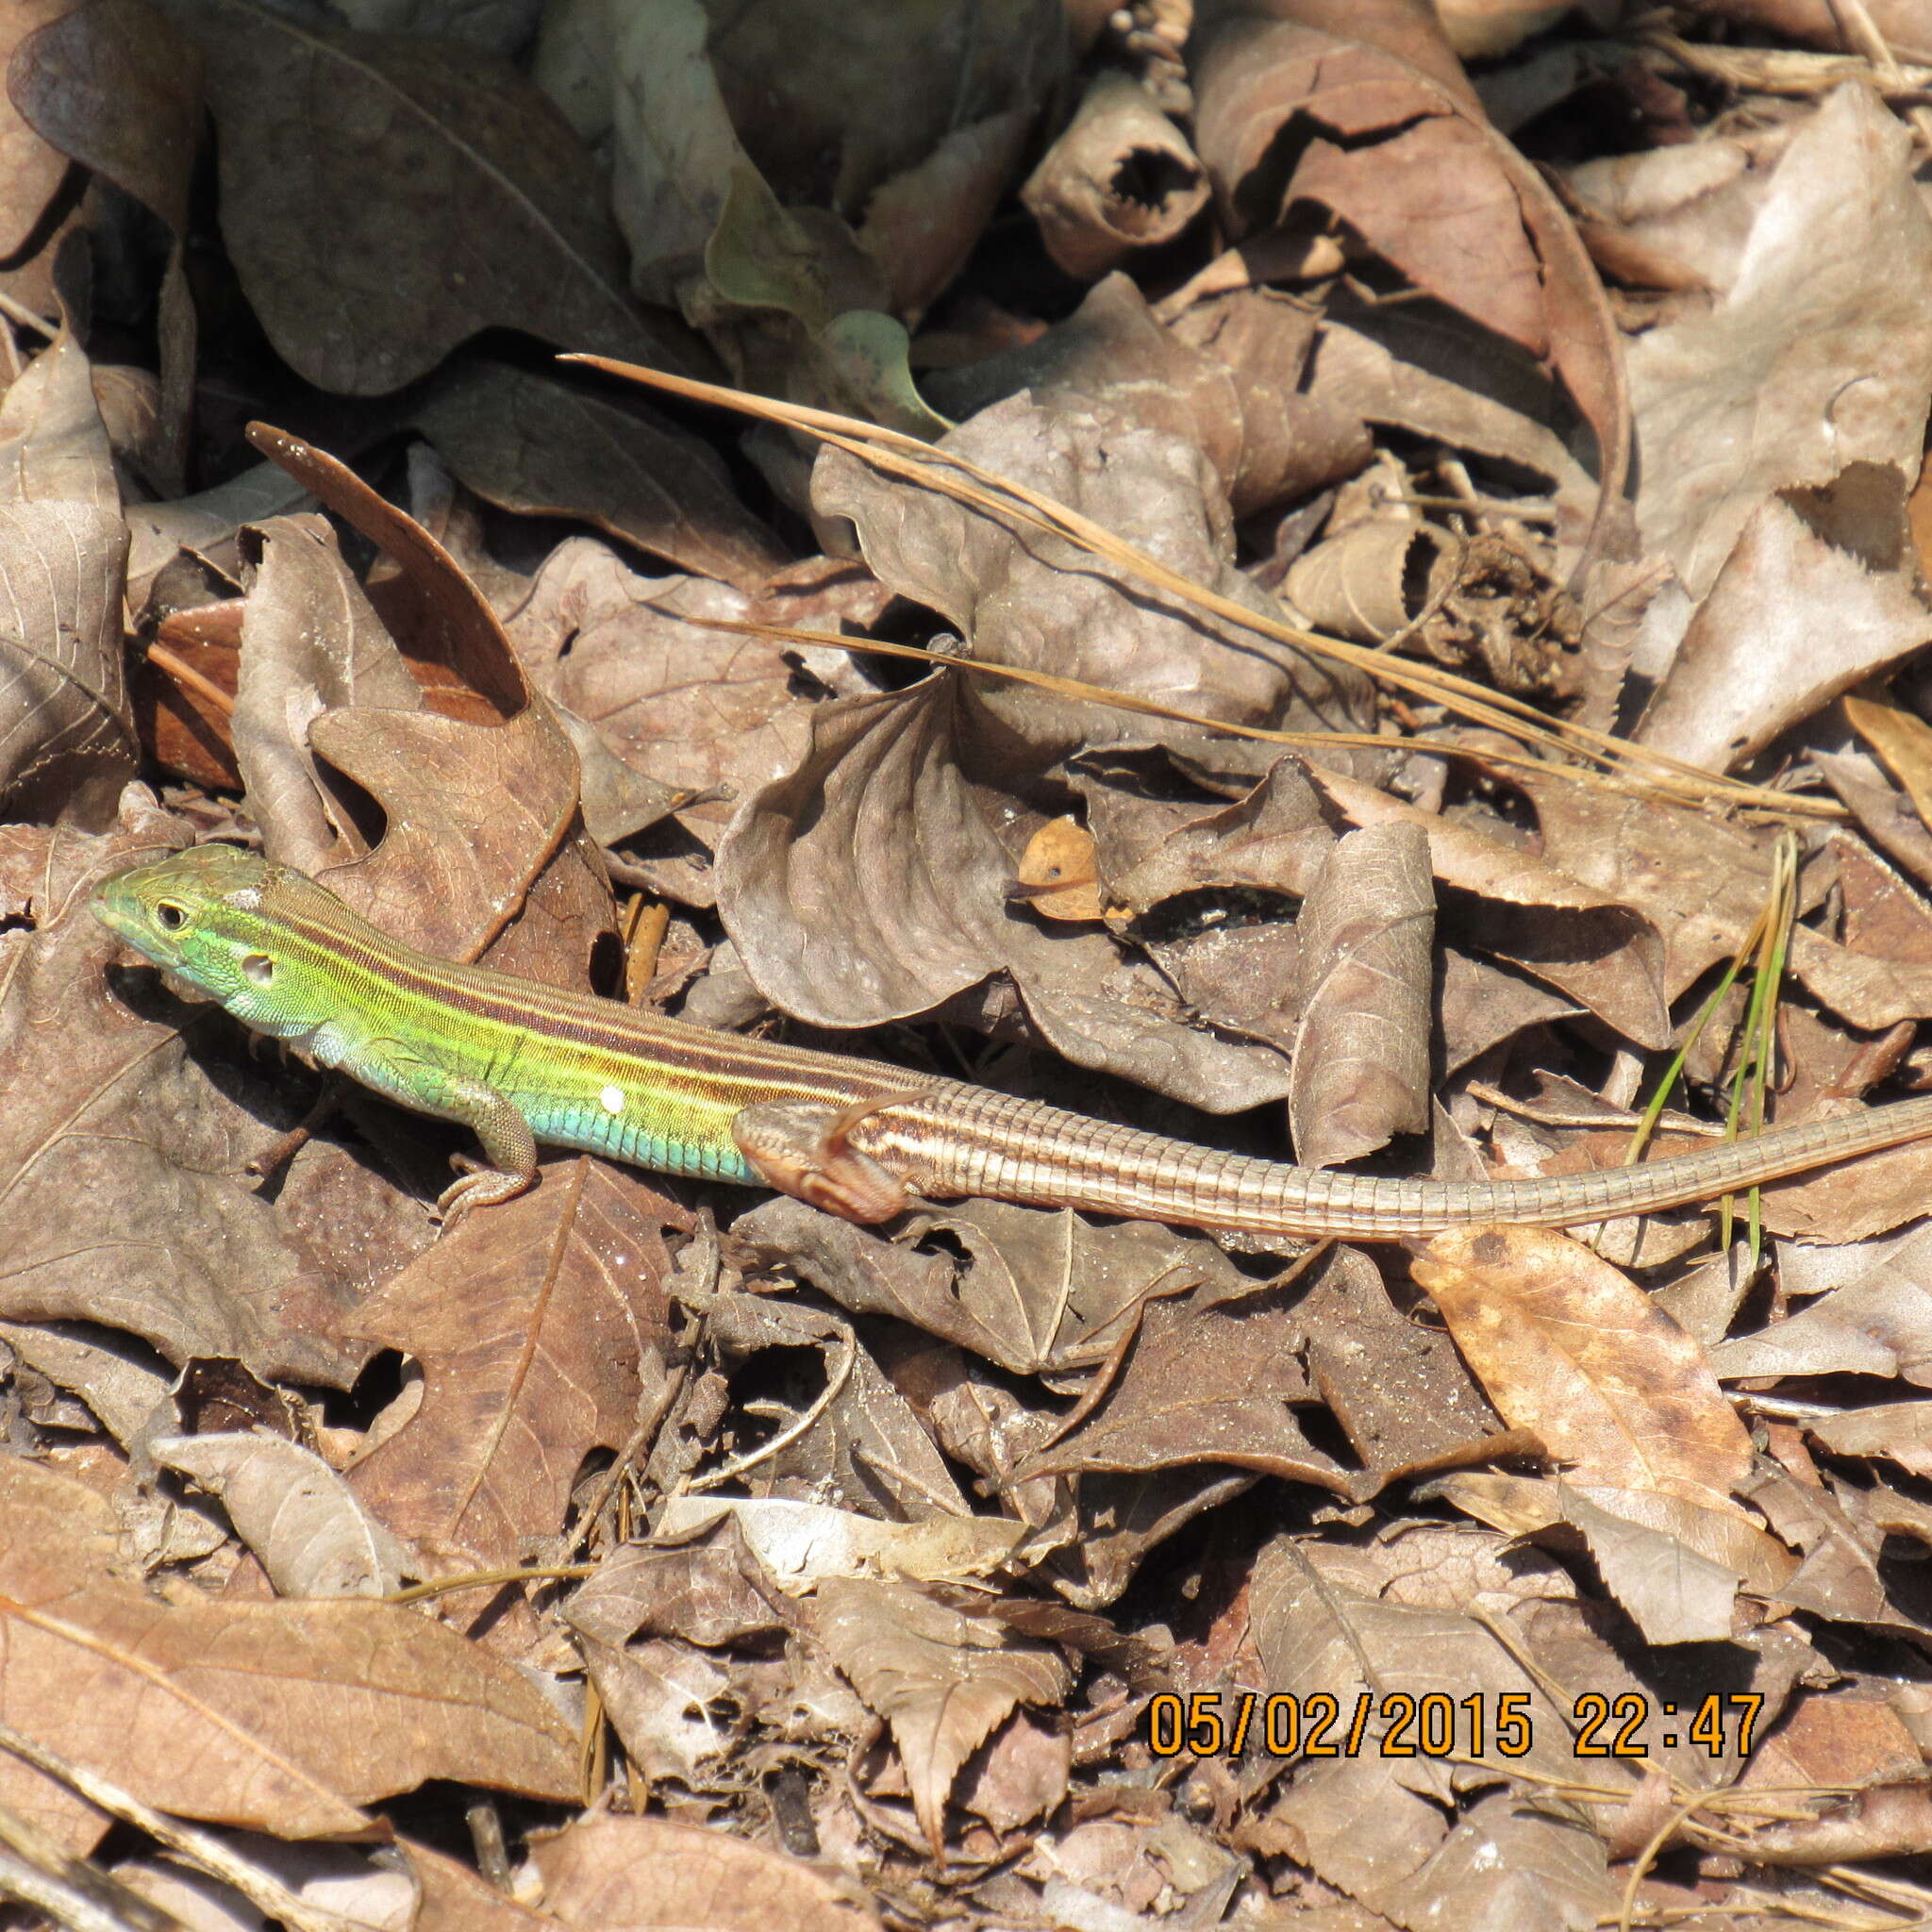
801, 1148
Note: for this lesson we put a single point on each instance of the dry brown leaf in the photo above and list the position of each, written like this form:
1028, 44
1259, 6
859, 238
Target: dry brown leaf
66, 729
30, 165
1675, 1591
311, 643
300, 1518
1399, 1391
118, 87
1027, 1288
647, 1875
835, 103
1876, 1324
540, 1329
1405, 157
1227, 376
1899, 1431
1817, 358
696, 709
466, 868
1373, 579
920, 225
547, 448
1215, 1383
1566, 1345
123, 1384
1361, 1049
1057, 872
277, 1717
340, 157
1558, 924
454, 1898
1790, 621
941, 1678
1902, 739
864, 1439
870, 884
1036, 605
1318, 1633
710, 1592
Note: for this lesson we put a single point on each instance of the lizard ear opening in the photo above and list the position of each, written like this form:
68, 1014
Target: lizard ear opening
259, 969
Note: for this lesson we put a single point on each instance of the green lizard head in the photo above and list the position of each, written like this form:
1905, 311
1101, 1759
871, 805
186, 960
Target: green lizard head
200, 917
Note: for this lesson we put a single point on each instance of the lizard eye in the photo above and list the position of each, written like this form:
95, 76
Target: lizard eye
259, 969
169, 916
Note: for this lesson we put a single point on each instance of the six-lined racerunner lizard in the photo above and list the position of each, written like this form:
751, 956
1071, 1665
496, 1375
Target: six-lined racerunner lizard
522, 1065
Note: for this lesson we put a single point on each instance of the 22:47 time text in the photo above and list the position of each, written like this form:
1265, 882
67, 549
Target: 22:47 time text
1212, 1724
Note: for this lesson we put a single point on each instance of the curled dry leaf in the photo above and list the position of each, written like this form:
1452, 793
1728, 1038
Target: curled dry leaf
1373, 579
540, 1329
294, 1512
465, 868
284, 1718
941, 1678
1120, 176
1361, 1049
342, 154
313, 644
1566, 1345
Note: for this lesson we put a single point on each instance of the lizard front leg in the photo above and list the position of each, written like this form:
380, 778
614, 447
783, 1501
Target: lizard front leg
510, 1148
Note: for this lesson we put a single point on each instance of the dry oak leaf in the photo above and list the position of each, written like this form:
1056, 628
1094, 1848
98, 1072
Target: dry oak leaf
276, 1717
1566, 1345
943, 1679
541, 1328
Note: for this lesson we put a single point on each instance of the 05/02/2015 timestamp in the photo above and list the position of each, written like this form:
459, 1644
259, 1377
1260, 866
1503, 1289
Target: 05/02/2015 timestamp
1216, 1724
